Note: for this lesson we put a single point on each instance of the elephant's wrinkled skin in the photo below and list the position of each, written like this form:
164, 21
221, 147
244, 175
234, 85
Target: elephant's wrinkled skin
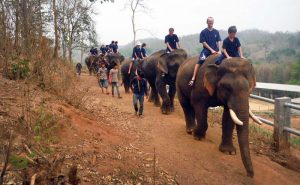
160, 70
227, 85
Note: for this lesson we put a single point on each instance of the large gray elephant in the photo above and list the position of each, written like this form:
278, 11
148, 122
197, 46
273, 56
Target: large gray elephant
227, 85
160, 70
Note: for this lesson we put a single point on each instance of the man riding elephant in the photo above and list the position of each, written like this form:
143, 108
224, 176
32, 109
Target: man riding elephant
227, 85
160, 70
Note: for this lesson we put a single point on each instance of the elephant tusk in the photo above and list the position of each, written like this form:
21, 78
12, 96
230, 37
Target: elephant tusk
255, 118
234, 118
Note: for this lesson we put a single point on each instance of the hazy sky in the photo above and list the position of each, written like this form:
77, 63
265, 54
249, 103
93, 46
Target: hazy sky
113, 22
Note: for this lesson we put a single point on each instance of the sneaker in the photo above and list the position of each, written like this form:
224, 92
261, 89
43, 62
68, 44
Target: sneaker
120, 97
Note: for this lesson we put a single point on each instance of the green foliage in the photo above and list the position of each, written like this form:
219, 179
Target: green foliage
20, 70
295, 74
45, 126
18, 162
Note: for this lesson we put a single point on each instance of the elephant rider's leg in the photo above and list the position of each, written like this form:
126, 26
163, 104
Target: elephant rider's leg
199, 131
227, 131
203, 55
161, 87
220, 59
172, 92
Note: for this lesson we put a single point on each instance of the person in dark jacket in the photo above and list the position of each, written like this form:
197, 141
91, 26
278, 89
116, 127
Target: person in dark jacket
139, 89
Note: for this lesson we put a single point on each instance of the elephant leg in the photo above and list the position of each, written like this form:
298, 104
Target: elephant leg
189, 115
201, 117
172, 92
154, 95
226, 145
161, 87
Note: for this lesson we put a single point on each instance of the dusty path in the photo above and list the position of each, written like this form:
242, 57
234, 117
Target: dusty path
178, 155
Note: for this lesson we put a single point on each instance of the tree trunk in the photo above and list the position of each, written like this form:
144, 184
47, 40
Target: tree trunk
17, 25
25, 33
55, 54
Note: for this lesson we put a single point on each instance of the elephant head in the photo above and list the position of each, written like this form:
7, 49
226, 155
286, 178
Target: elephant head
114, 58
169, 63
231, 83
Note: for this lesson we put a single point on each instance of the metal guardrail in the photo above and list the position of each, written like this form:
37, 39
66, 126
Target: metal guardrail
262, 98
282, 120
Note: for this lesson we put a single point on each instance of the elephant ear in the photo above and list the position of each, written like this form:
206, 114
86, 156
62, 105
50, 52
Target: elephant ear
252, 79
162, 64
211, 79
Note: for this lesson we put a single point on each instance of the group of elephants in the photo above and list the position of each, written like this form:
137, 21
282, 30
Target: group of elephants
227, 85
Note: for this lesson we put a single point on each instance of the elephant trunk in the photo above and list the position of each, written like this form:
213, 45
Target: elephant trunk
243, 135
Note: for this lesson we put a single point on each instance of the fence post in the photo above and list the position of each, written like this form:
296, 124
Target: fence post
281, 119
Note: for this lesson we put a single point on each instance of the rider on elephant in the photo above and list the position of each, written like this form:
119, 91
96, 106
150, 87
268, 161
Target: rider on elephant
103, 50
94, 51
172, 41
136, 56
211, 40
143, 50
231, 46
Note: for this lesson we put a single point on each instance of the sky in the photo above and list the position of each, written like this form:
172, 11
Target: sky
113, 20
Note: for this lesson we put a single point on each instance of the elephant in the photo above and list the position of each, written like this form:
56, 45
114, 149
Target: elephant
91, 62
113, 59
160, 70
228, 85
126, 78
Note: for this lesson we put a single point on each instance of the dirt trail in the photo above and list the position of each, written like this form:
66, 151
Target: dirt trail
178, 155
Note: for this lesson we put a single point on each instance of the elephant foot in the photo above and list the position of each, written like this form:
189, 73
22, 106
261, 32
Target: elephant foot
189, 131
166, 110
228, 149
198, 135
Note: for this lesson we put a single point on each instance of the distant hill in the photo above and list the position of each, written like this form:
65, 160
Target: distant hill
259, 46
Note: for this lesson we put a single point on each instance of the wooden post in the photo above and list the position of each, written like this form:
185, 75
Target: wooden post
281, 120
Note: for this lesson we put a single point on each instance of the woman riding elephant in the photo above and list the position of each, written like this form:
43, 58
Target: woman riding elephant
160, 70
227, 85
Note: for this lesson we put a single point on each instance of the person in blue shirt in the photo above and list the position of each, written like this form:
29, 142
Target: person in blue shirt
172, 41
115, 47
231, 46
143, 50
139, 88
136, 55
103, 50
94, 51
111, 46
211, 40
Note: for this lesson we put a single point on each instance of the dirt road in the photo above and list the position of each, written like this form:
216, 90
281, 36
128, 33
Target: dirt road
114, 143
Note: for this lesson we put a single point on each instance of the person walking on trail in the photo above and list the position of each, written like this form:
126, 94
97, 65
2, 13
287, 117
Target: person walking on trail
102, 78
136, 55
143, 51
114, 80
78, 68
139, 89
231, 46
211, 40
172, 41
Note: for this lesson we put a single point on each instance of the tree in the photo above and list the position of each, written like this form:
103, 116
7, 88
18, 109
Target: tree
55, 16
135, 7
295, 74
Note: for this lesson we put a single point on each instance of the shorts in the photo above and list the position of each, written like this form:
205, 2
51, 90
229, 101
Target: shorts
203, 55
103, 83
